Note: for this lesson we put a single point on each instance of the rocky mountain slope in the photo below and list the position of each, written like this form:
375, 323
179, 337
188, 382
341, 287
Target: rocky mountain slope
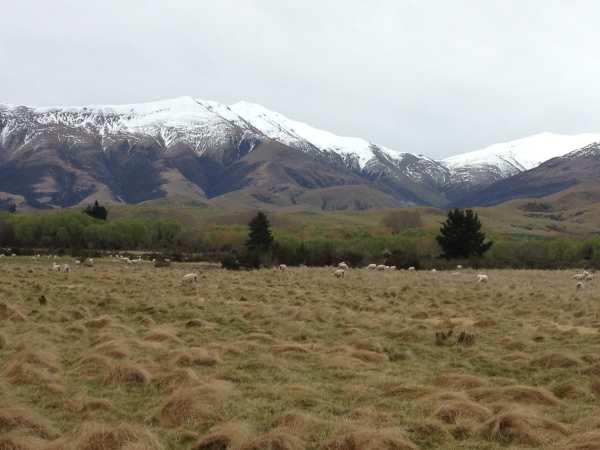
240, 155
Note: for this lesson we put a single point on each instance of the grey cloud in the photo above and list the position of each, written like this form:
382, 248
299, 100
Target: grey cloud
434, 77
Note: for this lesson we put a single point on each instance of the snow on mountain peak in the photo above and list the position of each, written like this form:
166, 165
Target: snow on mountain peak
521, 154
291, 132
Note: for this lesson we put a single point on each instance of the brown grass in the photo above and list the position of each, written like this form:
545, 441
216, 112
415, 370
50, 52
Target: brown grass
586, 441
520, 394
556, 361
274, 441
452, 411
20, 419
371, 440
264, 360
227, 436
94, 436
522, 427
127, 374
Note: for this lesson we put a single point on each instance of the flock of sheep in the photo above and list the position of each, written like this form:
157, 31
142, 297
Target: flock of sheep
342, 268
339, 272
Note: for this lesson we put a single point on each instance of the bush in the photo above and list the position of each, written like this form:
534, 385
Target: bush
231, 262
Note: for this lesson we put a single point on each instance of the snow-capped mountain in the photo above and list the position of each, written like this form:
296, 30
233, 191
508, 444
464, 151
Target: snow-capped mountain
578, 167
200, 150
505, 159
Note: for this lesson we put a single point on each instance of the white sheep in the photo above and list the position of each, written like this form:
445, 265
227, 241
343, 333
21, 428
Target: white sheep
282, 267
392, 267
380, 267
56, 267
411, 268
66, 268
89, 262
433, 270
343, 265
189, 278
579, 285
482, 278
459, 267
372, 266
579, 276
339, 273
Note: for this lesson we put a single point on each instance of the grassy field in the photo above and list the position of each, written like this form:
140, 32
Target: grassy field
126, 357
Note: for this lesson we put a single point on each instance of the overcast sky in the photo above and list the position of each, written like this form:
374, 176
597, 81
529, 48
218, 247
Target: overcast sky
432, 77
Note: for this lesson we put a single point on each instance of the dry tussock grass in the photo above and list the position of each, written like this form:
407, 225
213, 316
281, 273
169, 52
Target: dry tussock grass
301, 360
386, 439
521, 427
228, 436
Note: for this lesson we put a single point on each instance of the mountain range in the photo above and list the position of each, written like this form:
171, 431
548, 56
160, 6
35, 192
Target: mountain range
247, 156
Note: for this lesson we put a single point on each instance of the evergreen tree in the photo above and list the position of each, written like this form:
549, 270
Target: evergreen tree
259, 234
461, 236
96, 211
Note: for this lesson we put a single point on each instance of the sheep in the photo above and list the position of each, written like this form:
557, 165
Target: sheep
339, 273
579, 276
89, 262
579, 285
433, 270
589, 277
392, 267
372, 266
55, 267
343, 265
189, 278
411, 268
459, 267
66, 268
282, 267
77, 261
482, 278
380, 267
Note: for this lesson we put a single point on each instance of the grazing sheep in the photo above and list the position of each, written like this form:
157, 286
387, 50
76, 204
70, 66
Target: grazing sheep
589, 277
343, 265
482, 278
433, 271
392, 267
89, 262
66, 268
56, 267
579, 276
372, 266
579, 285
282, 267
339, 273
189, 278
459, 267
411, 268
380, 267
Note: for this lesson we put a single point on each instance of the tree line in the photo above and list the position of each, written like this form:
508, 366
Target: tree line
459, 240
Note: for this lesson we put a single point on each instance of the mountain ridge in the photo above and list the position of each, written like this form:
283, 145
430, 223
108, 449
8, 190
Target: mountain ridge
194, 146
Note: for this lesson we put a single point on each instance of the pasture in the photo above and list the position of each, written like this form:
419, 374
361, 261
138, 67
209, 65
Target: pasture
128, 357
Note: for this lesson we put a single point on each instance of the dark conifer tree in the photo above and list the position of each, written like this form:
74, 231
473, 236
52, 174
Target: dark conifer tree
97, 211
461, 236
259, 234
